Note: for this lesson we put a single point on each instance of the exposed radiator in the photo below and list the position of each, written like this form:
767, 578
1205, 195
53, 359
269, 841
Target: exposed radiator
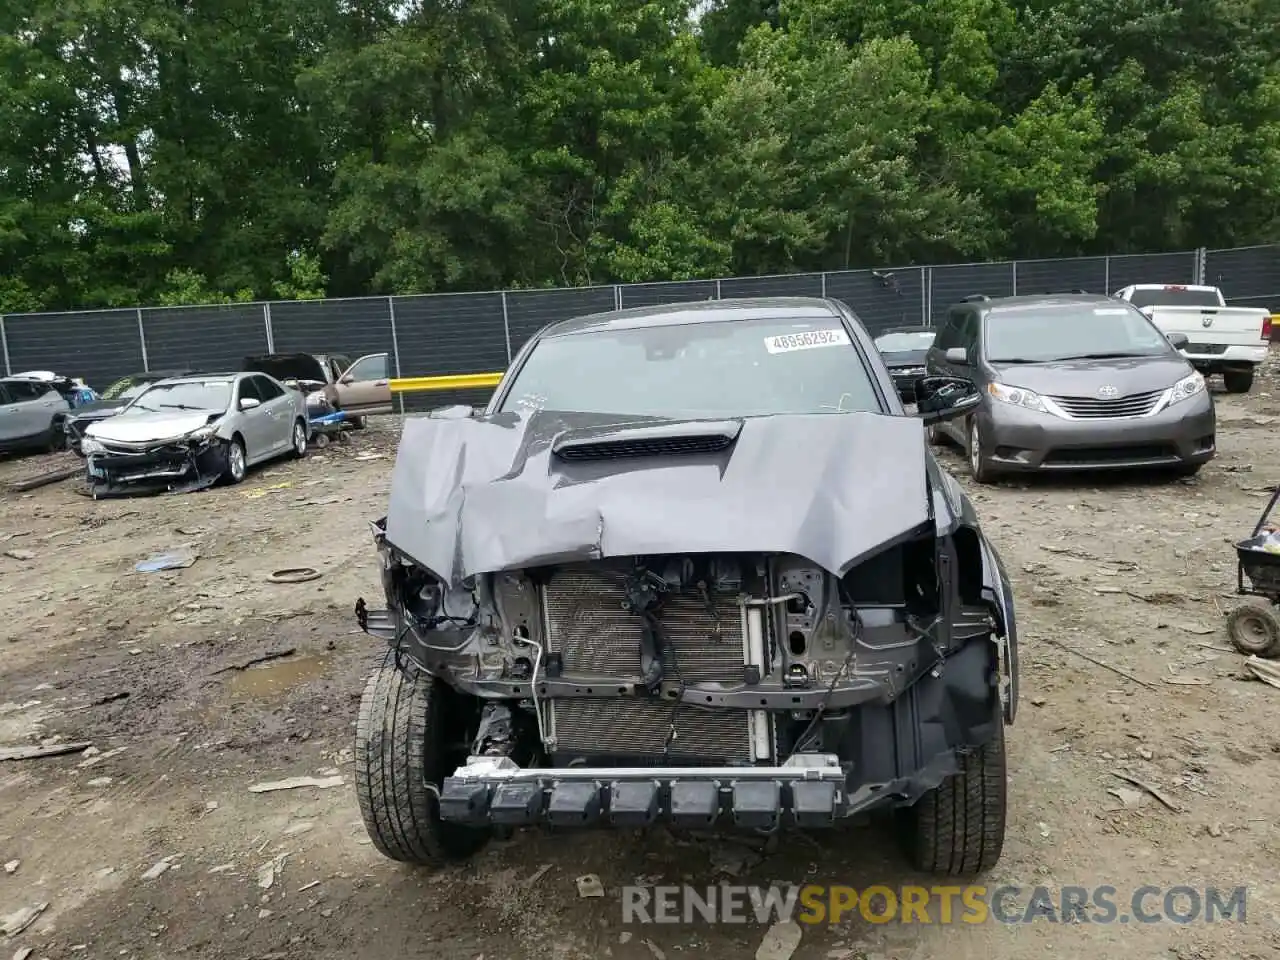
593, 633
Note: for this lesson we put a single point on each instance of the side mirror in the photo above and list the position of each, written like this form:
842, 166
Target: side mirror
248, 403
945, 398
1177, 340
346, 378
957, 355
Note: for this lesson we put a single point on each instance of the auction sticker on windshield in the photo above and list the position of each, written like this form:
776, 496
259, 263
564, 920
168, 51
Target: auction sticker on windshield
786, 342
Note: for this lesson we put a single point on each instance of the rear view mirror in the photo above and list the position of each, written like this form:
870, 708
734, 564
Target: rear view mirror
1177, 340
945, 398
957, 355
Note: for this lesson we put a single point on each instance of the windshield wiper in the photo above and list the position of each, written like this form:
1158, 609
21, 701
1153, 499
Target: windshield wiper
1117, 355
177, 406
1016, 360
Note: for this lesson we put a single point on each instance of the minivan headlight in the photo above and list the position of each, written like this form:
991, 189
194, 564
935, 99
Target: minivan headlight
1187, 387
1018, 396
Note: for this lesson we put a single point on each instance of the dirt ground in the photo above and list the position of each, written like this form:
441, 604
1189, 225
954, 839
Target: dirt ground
1134, 572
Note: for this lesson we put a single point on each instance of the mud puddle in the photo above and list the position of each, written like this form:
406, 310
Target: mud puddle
274, 679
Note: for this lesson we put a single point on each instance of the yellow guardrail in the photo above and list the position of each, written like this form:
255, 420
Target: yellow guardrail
456, 381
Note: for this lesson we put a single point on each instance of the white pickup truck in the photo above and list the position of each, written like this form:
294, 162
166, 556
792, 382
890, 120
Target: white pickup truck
1231, 341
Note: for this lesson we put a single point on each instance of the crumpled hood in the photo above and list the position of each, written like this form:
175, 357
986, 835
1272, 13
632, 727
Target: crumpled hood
475, 496
148, 427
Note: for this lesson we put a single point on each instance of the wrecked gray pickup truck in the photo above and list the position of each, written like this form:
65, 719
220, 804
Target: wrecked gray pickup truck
694, 564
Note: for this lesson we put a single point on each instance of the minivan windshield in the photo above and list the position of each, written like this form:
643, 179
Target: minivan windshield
901, 341
1074, 331
707, 369
208, 395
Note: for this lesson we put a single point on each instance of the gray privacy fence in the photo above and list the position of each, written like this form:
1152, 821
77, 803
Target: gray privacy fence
436, 334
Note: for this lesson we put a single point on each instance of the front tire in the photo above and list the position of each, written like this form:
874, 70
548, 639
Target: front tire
299, 445
958, 828
979, 466
405, 740
236, 463
1238, 381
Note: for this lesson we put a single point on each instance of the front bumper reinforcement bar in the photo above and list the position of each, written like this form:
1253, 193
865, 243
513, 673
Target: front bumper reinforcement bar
808, 790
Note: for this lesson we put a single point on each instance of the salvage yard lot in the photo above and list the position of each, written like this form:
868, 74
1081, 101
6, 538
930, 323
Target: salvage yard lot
1133, 572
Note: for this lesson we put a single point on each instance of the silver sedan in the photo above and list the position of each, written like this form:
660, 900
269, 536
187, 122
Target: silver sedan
191, 432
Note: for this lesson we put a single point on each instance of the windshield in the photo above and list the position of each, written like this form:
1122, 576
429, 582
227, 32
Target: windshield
709, 369
903, 341
1175, 297
185, 395
1046, 333
126, 388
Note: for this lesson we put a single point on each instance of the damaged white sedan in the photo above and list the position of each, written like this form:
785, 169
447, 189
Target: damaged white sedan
187, 433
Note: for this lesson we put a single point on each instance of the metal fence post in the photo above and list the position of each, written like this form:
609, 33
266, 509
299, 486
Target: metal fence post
617, 296
1015, 278
4, 345
395, 343
925, 318
142, 342
928, 315
1106, 275
266, 319
718, 297
395, 338
824, 284
506, 326
1201, 266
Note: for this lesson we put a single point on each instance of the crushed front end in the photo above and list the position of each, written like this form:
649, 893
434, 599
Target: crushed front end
752, 689
116, 468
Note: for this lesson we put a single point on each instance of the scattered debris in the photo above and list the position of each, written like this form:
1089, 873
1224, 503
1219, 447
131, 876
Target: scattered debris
293, 783
590, 886
100, 782
173, 560
1155, 792
110, 698
46, 750
1214, 829
44, 479
1038, 701
20, 554
222, 868
294, 575
733, 859
268, 872
1263, 670
538, 874
19, 920
303, 826
1183, 681
1130, 799
780, 941
12, 866
265, 658
309, 886
655, 950
23, 953
160, 867
1100, 663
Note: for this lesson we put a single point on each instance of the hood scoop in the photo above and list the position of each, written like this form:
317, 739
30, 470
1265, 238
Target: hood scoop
662, 440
